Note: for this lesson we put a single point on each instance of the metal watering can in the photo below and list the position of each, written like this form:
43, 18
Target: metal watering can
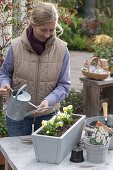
20, 99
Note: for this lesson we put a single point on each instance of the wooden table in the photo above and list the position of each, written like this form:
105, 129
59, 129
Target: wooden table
20, 156
96, 92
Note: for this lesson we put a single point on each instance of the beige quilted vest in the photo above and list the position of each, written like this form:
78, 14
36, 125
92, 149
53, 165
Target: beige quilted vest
39, 72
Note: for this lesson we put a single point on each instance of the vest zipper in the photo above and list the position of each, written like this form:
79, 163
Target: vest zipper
37, 79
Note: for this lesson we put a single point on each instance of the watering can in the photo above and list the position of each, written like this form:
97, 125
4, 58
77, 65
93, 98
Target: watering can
17, 105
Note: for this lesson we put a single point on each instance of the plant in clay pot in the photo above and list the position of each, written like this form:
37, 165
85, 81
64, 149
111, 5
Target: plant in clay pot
53, 136
97, 145
103, 48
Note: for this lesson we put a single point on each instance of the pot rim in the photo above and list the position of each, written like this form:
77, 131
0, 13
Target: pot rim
86, 123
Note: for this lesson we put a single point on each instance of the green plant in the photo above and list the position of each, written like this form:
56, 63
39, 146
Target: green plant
100, 136
105, 7
69, 3
72, 30
108, 27
78, 42
104, 50
75, 98
3, 127
104, 13
52, 126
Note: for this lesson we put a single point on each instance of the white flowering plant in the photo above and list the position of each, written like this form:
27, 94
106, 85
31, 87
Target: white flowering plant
101, 135
56, 123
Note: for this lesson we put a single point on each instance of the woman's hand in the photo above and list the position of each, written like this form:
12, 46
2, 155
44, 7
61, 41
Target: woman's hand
4, 90
42, 108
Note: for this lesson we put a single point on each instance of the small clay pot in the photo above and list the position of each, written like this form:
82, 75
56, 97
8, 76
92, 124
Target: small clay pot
77, 156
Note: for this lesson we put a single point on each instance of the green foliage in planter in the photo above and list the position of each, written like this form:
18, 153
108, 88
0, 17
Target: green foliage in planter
3, 128
75, 98
100, 135
58, 122
72, 104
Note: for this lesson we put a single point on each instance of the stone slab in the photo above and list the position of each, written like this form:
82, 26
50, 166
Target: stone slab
20, 155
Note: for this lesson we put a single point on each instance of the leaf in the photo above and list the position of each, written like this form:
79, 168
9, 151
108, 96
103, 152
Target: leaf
6, 8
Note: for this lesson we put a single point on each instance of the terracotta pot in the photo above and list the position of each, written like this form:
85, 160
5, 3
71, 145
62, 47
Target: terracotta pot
2, 160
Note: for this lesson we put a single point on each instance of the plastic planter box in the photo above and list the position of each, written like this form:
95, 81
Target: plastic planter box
54, 149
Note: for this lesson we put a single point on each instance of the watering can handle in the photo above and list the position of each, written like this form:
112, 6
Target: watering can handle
20, 89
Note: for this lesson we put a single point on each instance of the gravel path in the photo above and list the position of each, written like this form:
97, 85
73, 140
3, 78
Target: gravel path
77, 61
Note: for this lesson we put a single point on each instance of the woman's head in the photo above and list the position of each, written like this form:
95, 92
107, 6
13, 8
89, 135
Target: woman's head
43, 13
44, 20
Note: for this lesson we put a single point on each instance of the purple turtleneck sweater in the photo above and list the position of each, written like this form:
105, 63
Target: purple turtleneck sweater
37, 45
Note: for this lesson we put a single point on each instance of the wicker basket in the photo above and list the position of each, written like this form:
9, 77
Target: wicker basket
96, 76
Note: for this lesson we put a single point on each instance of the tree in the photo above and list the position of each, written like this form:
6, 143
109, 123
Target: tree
10, 25
12, 22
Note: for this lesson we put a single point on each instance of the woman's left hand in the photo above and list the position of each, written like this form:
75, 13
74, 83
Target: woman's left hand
42, 108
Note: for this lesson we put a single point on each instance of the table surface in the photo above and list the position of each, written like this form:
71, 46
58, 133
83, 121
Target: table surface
20, 155
107, 81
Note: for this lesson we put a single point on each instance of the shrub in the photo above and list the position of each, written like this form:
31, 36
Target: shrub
3, 128
75, 98
104, 50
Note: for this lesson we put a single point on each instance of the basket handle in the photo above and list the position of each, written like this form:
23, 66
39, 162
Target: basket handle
97, 60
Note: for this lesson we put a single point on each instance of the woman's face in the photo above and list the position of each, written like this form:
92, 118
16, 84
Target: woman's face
43, 32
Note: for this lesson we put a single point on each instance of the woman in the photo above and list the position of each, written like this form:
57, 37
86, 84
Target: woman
39, 59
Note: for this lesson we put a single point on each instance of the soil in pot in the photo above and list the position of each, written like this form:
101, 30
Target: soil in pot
93, 123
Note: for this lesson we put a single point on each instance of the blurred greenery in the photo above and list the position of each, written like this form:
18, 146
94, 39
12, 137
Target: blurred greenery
75, 98
104, 50
3, 127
